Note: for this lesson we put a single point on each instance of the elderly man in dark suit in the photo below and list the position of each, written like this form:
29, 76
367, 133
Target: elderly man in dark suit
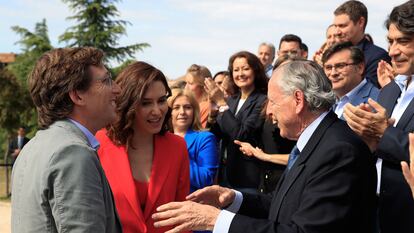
329, 182
385, 129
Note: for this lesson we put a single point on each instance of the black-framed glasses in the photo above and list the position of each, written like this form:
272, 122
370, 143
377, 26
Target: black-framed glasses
106, 80
338, 67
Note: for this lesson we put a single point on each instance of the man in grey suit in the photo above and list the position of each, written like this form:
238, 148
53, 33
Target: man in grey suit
58, 182
344, 66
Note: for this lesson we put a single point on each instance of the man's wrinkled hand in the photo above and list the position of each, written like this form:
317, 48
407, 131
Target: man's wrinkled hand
369, 121
184, 216
214, 195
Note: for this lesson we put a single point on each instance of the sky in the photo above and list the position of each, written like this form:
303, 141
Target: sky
204, 32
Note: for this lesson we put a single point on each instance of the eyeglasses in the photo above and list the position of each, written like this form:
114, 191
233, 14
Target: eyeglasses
106, 80
338, 67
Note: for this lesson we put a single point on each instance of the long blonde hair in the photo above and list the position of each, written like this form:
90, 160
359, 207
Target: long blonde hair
196, 124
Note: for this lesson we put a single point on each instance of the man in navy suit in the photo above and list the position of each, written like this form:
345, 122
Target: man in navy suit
350, 21
17, 143
344, 65
329, 183
385, 128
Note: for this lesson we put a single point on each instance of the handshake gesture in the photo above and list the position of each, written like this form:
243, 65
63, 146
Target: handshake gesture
199, 212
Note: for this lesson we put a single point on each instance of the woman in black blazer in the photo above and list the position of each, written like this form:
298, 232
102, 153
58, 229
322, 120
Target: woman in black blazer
239, 119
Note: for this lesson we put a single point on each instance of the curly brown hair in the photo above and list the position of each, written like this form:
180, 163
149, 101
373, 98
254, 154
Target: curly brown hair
134, 81
55, 74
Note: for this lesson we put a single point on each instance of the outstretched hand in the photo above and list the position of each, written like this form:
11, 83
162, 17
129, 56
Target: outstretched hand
214, 195
184, 216
247, 149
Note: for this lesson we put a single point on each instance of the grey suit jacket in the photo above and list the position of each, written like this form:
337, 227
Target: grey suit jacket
58, 185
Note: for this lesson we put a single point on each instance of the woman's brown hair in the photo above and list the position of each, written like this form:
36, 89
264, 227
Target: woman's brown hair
260, 78
55, 74
134, 81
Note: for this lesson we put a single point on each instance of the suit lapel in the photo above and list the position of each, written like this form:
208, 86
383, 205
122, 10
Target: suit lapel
232, 102
126, 181
190, 137
291, 175
388, 97
406, 116
159, 173
289, 178
250, 99
362, 95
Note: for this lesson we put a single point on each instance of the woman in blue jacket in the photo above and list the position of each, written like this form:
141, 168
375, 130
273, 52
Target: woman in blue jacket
201, 145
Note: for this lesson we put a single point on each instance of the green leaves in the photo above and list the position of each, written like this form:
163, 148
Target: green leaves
97, 26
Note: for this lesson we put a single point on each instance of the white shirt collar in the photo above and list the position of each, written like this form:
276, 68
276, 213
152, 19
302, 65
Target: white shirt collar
307, 133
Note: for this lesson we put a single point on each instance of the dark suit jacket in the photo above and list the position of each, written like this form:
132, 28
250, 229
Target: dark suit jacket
373, 54
241, 171
330, 188
14, 145
396, 203
273, 143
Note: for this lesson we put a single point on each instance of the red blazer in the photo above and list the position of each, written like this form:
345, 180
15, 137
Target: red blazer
169, 180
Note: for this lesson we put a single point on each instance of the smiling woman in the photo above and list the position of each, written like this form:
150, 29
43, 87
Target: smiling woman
201, 145
239, 119
145, 165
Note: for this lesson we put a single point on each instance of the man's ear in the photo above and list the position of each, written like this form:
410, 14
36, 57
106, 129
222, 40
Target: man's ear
77, 97
361, 69
361, 22
299, 100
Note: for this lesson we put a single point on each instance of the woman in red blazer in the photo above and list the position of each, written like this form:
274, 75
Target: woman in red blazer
145, 165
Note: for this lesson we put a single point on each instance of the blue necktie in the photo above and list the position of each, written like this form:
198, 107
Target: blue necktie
294, 154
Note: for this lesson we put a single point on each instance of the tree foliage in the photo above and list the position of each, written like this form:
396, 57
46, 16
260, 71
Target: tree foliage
33, 44
16, 106
96, 26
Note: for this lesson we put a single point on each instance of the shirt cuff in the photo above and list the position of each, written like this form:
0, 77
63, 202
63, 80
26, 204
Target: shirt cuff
223, 222
235, 206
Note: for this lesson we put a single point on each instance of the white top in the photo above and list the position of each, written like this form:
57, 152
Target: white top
407, 94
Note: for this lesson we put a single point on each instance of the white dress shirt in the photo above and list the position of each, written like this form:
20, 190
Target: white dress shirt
407, 94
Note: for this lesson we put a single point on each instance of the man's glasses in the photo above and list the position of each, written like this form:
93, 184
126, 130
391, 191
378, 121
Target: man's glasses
338, 67
106, 80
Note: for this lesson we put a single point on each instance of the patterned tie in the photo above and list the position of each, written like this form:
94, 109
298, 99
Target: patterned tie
294, 154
